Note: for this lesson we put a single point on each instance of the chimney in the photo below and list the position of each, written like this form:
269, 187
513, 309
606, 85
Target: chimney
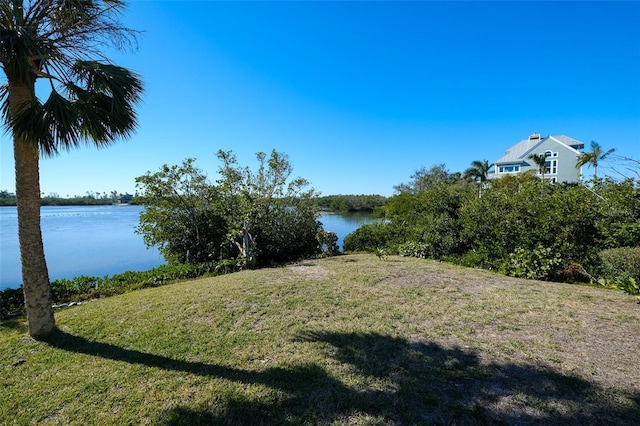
534, 137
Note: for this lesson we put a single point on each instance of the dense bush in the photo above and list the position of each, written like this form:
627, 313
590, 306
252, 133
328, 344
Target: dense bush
541, 263
286, 234
11, 300
250, 217
369, 236
621, 267
183, 215
328, 243
350, 203
414, 249
517, 225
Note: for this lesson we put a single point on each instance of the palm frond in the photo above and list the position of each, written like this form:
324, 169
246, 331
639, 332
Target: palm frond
105, 104
606, 154
31, 126
4, 105
478, 170
585, 158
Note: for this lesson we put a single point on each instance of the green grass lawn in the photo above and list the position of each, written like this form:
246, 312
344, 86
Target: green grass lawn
344, 340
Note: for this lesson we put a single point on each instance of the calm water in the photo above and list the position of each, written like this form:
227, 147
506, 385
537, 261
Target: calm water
343, 224
79, 240
100, 240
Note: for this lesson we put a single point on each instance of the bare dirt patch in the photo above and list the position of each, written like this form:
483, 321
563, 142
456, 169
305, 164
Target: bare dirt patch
309, 270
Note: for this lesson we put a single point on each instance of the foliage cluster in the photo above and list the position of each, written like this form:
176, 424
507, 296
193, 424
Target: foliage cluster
516, 225
328, 242
351, 203
537, 264
621, 267
255, 218
11, 300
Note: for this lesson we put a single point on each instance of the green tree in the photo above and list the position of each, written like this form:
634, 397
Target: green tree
479, 172
183, 216
592, 158
271, 217
426, 219
424, 178
89, 101
250, 217
351, 203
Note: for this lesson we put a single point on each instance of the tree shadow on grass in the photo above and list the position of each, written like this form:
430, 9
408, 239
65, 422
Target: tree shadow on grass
395, 382
288, 379
432, 384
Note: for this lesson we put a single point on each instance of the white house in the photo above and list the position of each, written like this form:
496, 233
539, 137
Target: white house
562, 154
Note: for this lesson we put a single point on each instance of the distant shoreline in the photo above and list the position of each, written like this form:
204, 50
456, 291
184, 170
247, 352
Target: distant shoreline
72, 204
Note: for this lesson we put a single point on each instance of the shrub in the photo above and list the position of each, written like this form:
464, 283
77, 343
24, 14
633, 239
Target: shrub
621, 267
413, 249
541, 263
63, 289
86, 287
328, 243
11, 300
368, 236
473, 259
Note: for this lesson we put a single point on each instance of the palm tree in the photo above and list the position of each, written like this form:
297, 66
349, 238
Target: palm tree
479, 172
541, 161
593, 157
90, 101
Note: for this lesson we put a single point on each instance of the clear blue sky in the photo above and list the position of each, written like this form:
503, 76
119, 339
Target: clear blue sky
361, 94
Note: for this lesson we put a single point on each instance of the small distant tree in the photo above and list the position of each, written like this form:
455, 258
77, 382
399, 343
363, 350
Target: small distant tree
592, 158
424, 178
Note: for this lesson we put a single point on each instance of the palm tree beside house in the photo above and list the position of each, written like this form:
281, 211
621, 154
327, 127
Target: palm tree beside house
561, 154
592, 158
90, 101
540, 160
479, 172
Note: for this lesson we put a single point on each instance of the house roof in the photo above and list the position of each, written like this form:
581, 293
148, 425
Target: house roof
573, 143
518, 152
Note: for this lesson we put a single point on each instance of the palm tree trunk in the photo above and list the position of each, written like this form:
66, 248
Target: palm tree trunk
35, 275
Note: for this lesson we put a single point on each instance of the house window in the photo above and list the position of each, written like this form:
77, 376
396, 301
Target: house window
509, 169
550, 153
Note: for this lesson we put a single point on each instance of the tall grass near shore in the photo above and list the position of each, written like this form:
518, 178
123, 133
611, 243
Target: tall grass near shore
344, 340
